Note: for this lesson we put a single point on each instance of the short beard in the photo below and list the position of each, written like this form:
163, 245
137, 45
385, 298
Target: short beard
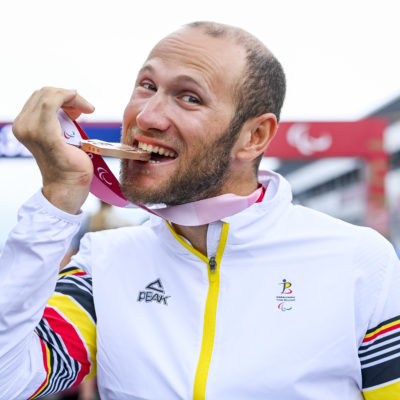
202, 179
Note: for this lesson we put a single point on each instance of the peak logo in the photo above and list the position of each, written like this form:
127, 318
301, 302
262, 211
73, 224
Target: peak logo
155, 293
299, 136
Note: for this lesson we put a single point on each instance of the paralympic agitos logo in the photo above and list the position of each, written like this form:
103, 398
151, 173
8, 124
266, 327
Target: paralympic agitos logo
69, 135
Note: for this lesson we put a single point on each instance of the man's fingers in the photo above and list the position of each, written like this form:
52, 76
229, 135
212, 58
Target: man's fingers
42, 106
76, 106
31, 103
39, 115
80, 103
50, 100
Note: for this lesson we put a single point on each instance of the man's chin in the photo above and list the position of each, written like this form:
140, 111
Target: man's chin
144, 188
146, 191
165, 196
139, 196
170, 192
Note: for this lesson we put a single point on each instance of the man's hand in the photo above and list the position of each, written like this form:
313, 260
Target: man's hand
66, 170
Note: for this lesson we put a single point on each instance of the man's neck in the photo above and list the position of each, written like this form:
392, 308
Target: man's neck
197, 236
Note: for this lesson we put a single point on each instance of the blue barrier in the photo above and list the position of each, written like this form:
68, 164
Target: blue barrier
10, 147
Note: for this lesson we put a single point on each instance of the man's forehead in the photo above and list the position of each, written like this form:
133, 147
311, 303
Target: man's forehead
220, 57
196, 40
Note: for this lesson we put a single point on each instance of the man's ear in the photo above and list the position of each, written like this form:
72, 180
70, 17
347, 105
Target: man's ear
255, 136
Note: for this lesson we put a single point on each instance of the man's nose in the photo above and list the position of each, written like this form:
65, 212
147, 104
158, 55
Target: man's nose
153, 115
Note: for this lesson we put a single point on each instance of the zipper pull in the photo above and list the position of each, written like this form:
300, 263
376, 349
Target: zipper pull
213, 264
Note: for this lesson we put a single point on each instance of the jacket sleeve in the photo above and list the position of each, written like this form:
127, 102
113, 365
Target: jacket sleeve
67, 333
47, 324
379, 352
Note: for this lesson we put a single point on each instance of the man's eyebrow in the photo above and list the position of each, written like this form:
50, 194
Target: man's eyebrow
145, 68
183, 78
190, 79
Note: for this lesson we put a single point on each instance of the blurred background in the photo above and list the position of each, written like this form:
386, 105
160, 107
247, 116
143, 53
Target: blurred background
342, 64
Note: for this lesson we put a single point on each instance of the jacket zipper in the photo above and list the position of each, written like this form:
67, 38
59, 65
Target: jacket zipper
210, 317
210, 312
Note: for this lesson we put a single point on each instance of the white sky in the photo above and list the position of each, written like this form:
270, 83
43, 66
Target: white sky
341, 57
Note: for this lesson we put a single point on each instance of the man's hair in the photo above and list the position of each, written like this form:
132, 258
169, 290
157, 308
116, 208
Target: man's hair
262, 86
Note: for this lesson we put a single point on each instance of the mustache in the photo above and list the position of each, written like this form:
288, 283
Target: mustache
128, 135
134, 131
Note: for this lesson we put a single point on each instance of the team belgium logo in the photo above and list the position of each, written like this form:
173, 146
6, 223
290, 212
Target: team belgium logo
286, 297
286, 287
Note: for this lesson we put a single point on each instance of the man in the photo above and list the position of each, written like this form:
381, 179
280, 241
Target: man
274, 302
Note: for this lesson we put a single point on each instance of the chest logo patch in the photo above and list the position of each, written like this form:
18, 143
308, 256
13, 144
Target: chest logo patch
286, 297
154, 292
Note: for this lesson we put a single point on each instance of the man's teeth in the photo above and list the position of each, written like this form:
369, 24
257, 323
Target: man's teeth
157, 149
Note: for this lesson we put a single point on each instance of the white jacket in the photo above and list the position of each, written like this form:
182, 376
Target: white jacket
296, 306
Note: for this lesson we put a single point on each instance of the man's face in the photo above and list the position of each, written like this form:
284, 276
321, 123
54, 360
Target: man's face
182, 106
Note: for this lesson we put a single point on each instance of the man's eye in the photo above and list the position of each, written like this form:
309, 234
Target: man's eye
149, 86
191, 99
